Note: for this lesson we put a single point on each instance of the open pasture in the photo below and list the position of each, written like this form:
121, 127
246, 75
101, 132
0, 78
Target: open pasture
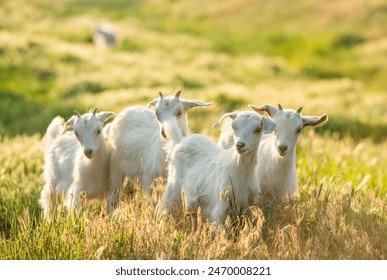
222, 53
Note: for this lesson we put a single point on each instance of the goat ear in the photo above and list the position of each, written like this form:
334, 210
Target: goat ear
152, 103
268, 125
314, 120
269, 109
189, 104
103, 116
70, 123
231, 115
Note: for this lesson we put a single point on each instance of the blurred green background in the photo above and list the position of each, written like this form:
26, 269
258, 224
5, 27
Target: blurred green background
329, 56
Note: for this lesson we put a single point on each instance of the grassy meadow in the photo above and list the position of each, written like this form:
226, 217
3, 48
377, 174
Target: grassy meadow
327, 56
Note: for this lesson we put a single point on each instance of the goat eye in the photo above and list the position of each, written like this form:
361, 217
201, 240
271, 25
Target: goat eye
258, 129
298, 131
76, 134
179, 113
98, 132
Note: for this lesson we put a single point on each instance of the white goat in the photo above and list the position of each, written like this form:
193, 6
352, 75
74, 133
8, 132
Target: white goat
219, 181
276, 166
137, 139
75, 163
105, 36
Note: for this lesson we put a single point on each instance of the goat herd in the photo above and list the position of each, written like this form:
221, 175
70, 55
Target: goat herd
254, 154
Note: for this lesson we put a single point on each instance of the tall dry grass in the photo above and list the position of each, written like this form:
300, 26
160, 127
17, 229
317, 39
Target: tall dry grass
331, 219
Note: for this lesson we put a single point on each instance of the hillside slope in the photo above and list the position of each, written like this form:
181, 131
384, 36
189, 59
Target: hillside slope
49, 65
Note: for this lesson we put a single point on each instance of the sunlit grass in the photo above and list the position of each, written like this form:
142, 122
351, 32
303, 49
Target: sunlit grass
340, 214
219, 52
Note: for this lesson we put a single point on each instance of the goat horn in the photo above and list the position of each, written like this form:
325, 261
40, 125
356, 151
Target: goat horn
280, 107
77, 113
299, 110
161, 94
93, 111
177, 94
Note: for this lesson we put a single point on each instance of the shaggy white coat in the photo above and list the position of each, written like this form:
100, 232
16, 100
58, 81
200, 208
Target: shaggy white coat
220, 181
75, 165
138, 136
276, 167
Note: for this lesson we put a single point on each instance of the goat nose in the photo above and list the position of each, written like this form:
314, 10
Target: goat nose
240, 144
88, 152
283, 148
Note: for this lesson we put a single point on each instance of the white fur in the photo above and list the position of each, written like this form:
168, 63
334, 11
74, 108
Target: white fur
137, 140
105, 36
220, 181
276, 168
53, 130
226, 139
75, 165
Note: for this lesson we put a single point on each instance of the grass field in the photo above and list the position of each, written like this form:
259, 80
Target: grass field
327, 56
